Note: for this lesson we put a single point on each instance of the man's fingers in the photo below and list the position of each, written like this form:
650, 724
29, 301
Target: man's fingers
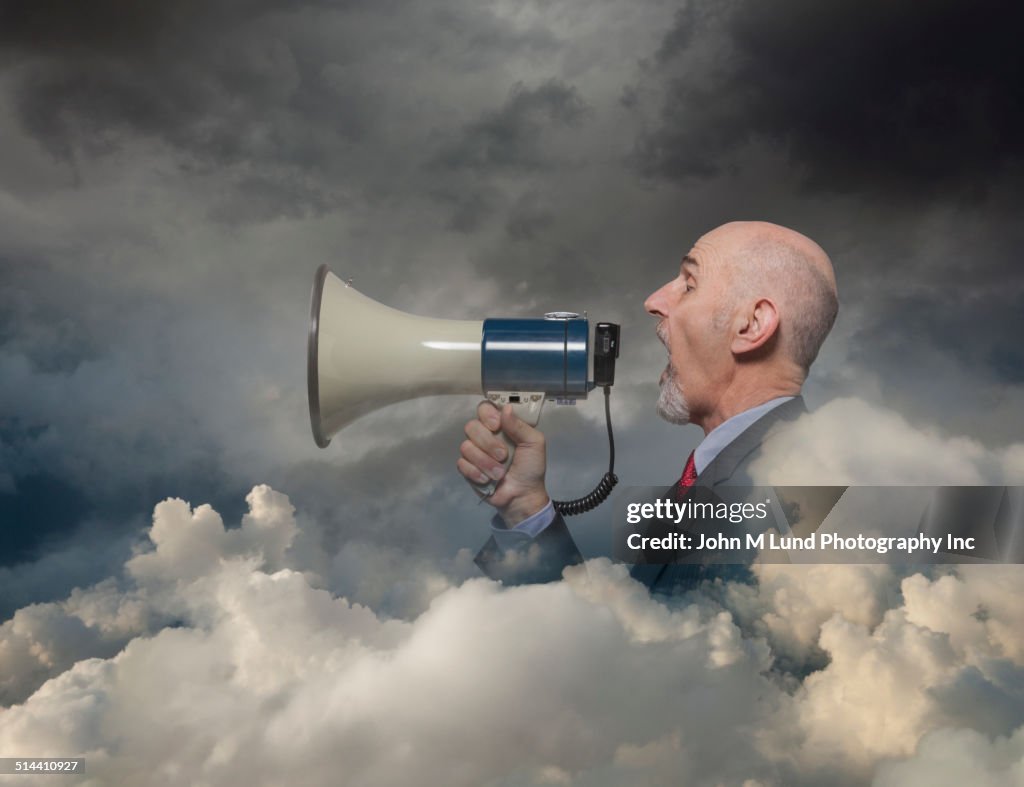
481, 461
489, 415
471, 472
486, 440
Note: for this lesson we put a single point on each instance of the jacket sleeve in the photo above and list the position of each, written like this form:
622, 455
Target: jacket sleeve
534, 560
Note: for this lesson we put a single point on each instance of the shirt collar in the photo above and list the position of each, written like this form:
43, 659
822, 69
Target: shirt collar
727, 431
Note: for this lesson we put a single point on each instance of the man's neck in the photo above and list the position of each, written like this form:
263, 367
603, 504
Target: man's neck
736, 401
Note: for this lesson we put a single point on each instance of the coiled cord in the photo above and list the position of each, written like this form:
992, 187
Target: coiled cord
608, 481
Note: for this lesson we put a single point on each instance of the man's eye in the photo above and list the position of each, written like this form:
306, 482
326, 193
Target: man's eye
690, 286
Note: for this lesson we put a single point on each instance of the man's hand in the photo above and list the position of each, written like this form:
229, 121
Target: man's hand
520, 491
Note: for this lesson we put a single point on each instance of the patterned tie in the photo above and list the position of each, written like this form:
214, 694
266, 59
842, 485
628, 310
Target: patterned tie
689, 476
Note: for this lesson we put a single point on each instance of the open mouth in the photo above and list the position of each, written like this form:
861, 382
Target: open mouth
666, 374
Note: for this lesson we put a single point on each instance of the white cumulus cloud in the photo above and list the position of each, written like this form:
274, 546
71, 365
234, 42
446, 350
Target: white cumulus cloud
849, 441
218, 659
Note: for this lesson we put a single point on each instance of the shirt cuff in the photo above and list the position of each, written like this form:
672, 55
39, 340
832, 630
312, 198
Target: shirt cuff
527, 530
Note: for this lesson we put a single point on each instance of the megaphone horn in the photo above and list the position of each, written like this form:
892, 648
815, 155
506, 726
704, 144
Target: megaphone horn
364, 355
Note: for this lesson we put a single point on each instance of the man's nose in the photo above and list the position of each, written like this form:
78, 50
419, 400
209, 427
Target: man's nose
657, 302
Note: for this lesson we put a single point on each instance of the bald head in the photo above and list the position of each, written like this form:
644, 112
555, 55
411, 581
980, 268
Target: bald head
766, 260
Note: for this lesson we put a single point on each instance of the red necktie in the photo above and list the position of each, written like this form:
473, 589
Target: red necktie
689, 476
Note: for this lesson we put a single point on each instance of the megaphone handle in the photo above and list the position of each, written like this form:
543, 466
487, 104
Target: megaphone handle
527, 406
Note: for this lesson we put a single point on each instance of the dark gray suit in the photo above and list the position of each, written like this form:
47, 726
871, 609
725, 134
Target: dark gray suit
554, 549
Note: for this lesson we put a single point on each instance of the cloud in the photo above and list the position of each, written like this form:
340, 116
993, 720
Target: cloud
509, 137
185, 545
189, 542
866, 97
42, 640
790, 603
263, 676
959, 756
116, 73
849, 441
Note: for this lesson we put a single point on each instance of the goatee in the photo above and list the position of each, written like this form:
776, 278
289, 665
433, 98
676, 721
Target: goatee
672, 404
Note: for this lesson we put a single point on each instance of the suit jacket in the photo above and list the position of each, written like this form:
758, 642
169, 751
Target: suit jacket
543, 559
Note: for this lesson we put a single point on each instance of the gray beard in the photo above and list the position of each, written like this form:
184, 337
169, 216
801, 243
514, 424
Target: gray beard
672, 404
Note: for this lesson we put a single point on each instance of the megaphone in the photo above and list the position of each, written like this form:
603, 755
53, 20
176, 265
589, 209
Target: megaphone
363, 355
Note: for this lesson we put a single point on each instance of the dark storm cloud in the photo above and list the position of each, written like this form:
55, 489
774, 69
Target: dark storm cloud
513, 139
35, 323
510, 137
894, 98
222, 80
106, 26
983, 341
44, 508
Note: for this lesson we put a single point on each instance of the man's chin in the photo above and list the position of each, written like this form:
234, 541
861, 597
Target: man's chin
677, 419
672, 405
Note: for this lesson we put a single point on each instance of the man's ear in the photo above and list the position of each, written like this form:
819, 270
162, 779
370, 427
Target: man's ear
758, 325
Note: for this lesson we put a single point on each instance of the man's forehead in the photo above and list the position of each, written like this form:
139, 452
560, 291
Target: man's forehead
704, 262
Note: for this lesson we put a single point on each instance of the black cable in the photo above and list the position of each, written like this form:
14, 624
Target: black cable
604, 488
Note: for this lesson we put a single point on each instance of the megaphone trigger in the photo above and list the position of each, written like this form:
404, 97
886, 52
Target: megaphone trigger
527, 407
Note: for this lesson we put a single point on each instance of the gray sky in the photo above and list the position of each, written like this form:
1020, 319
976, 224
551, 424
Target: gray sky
172, 174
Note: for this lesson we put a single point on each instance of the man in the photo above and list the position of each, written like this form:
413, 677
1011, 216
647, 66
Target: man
742, 322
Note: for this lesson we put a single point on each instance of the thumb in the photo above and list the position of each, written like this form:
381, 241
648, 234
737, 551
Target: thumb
518, 431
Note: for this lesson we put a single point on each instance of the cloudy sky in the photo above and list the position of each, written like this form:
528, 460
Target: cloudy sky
172, 174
